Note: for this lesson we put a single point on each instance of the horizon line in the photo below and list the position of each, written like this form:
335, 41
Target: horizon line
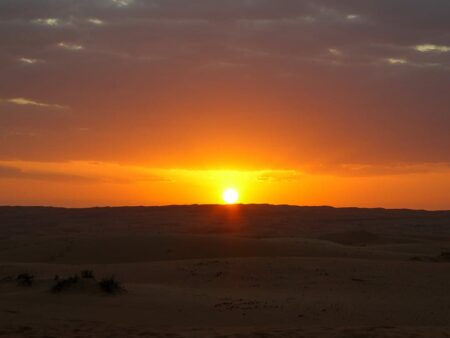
219, 205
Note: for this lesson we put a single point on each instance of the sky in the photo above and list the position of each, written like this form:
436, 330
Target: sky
134, 102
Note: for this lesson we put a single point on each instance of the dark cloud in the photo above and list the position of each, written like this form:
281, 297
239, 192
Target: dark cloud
8, 172
364, 170
16, 172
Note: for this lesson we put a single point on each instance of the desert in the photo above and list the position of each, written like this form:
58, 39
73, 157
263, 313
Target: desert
226, 271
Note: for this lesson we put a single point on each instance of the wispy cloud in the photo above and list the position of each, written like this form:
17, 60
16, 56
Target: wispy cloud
335, 51
81, 172
416, 64
122, 3
52, 22
95, 21
426, 48
27, 102
376, 170
11, 172
70, 46
29, 61
396, 61
353, 17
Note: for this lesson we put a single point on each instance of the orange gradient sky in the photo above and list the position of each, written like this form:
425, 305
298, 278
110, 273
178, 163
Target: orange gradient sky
135, 102
84, 184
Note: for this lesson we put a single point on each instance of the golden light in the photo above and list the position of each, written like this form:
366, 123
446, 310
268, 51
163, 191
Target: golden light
230, 196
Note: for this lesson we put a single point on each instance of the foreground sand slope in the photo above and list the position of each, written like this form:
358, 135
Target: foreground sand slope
349, 282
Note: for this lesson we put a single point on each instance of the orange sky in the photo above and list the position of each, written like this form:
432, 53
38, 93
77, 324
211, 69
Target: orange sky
170, 102
95, 183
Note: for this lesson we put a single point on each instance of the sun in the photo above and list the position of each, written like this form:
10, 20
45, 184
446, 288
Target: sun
230, 196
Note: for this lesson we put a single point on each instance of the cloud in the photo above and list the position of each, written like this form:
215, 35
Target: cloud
70, 46
432, 48
122, 3
73, 21
417, 64
27, 102
29, 61
52, 22
353, 17
95, 21
377, 170
395, 61
81, 172
9, 172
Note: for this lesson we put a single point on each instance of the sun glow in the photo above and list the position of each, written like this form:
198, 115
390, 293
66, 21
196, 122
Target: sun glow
230, 196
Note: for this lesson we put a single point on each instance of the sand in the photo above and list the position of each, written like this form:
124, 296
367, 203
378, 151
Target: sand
209, 271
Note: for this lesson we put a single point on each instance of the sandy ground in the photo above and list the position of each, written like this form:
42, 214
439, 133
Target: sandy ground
350, 283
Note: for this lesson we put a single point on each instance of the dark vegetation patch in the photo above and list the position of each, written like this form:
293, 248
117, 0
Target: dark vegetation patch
111, 285
86, 282
87, 274
25, 279
65, 284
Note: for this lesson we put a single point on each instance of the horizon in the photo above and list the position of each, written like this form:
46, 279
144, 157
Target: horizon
223, 205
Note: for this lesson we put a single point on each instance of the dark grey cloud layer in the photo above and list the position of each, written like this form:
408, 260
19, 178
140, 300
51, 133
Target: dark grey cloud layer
9, 172
370, 78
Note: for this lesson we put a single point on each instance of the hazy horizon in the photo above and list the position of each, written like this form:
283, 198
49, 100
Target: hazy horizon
99, 206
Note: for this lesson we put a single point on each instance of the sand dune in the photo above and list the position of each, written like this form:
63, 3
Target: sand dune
351, 275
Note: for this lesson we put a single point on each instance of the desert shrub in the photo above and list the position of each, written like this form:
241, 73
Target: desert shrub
87, 274
25, 279
64, 284
110, 285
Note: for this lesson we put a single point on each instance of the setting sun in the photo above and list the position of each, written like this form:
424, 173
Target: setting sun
230, 196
